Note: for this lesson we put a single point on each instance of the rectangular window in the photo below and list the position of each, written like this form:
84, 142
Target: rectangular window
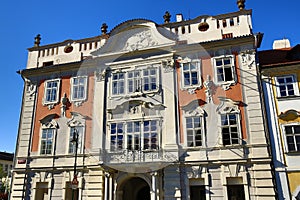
118, 81
47, 141
116, 136
229, 126
286, 86
293, 138
224, 69
149, 80
194, 131
134, 136
51, 91
72, 145
79, 85
150, 134
197, 192
191, 74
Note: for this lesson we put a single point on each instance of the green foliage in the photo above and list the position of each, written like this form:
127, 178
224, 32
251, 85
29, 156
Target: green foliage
2, 173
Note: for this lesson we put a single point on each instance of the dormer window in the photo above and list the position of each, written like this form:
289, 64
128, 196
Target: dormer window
286, 86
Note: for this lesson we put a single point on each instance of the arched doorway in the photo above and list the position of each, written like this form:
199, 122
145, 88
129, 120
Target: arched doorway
135, 189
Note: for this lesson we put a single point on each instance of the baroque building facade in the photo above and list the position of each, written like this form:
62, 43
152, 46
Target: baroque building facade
280, 72
156, 111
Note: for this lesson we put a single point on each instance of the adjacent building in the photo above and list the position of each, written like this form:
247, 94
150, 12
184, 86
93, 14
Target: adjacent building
146, 111
6, 165
280, 73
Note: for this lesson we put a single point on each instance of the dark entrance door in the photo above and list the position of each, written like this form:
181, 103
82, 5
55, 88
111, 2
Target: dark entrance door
135, 189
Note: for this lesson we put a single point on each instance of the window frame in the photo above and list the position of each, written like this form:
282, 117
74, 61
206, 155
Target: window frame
138, 81
189, 62
194, 110
293, 135
41, 152
237, 125
294, 84
84, 88
201, 128
57, 91
114, 147
149, 68
232, 68
117, 81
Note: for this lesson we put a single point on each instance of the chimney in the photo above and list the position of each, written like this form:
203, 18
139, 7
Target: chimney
281, 44
179, 17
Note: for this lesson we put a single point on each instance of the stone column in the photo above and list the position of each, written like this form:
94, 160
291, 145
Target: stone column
153, 191
111, 187
107, 186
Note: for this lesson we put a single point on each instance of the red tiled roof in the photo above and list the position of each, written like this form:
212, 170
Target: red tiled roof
278, 57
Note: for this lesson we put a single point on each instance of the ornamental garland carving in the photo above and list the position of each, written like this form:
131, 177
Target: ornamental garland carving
168, 65
31, 89
139, 41
248, 58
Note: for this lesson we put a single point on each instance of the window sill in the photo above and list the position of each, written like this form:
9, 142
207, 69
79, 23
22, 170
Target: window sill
50, 105
285, 98
226, 85
78, 102
293, 153
191, 89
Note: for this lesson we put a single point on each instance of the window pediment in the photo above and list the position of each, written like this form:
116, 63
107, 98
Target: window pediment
76, 120
135, 35
49, 122
228, 106
193, 108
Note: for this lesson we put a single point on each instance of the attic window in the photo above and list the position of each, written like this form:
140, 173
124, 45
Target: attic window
224, 23
47, 63
68, 49
231, 22
183, 30
203, 26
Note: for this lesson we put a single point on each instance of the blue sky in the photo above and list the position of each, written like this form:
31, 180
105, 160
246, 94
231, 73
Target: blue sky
58, 20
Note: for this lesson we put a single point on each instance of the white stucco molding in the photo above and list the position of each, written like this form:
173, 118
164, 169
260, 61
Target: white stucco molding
193, 109
168, 65
197, 171
247, 58
30, 88
228, 106
49, 122
133, 109
76, 120
136, 35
